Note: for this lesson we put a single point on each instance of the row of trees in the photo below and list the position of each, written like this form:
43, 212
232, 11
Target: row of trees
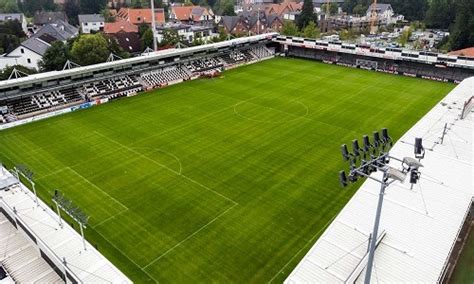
11, 34
86, 49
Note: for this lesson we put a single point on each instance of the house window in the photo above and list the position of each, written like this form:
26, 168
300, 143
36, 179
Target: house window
22, 50
28, 60
138, 19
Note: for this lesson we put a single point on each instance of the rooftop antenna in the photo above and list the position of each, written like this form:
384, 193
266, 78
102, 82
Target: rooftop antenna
113, 57
371, 158
16, 74
70, 65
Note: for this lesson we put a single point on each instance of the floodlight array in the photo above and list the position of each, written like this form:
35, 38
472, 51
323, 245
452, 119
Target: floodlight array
72, 210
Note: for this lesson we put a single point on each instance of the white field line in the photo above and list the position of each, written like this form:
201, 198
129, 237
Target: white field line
124, 254
100, 189
108, 219
306, 244
190, 236
166, 167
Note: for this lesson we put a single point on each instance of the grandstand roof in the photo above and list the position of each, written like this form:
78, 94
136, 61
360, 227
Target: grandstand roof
63, 243
421, 224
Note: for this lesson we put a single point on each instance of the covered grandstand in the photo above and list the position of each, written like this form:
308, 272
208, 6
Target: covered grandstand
419, 226
37, 247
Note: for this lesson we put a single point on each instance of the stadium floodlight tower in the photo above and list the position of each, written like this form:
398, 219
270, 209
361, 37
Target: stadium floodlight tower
374, 157
22, 170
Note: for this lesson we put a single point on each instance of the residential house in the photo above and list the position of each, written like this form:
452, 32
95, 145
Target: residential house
251, 23
318, 3
20, 17
381, 12
279, 9
120, 26
129, 42
191, 14
141, 16
187, 32
31, 51
42, 18
91, 23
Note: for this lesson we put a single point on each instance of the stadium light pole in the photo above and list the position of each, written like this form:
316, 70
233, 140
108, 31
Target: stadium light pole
370, 158
153, 24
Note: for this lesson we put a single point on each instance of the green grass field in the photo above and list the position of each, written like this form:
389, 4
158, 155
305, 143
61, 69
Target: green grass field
229, 179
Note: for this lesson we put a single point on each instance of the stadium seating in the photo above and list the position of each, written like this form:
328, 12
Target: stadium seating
163, 76
21, 259
205, 64
44, 101
113, 87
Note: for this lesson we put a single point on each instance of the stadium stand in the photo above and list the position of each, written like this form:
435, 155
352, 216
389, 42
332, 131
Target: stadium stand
129, 79
437, 207
36, 248
162, 77
20, 259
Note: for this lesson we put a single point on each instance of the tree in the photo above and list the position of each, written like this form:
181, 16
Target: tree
108, 17
7, 71
411, 9
441, 14
9, 6
169, 38
71, 8
11, 34
405, 36
359, 9
462, 34
114, 47
289, 28
307, 14
30, 7
92, 6
228, 10
331, 7
147, 39
311, 31
348, 6
90, 49
55, 57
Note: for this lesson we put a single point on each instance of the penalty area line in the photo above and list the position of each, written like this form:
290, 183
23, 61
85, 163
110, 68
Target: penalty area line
189, 237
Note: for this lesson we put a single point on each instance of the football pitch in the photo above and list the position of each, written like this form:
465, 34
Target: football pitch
229, 179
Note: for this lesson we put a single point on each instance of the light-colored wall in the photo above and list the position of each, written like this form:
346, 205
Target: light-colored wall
20, 56
91, 26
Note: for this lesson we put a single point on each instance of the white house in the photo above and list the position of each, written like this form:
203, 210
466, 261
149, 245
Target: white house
382, 12
187, 32
31, 51
20, 17
91, 22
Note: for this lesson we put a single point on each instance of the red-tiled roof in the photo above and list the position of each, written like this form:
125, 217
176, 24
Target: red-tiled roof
120, 26
464, 52
141, 16
185, 13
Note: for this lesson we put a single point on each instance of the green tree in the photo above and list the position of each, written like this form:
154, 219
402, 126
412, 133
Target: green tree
405, 36
30, 7
307, 14
7, 71
90, 49
359, 9
11, 34
92, 6
108, 18
462, 33
9, 6
348, 6
228, 9
55, 57
311, 31
147, 39
289, 28
71, 8
332, 8
169, 38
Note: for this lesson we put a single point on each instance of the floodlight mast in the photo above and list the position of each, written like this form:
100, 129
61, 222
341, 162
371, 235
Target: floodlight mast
363, 162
